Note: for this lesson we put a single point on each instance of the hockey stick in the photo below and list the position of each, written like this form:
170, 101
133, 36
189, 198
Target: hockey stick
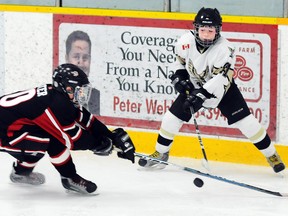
219, 178
204, 160
225, 70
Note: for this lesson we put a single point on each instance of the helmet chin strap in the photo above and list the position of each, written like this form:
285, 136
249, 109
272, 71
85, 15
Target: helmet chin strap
75, 103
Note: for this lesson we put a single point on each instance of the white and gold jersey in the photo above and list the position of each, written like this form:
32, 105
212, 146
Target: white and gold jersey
204, 65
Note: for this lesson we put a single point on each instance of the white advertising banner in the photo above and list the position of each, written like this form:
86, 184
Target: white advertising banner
131, 65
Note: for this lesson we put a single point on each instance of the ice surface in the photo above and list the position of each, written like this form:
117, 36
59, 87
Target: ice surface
124, 190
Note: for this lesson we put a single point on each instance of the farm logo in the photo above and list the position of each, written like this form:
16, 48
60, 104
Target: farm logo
241, 71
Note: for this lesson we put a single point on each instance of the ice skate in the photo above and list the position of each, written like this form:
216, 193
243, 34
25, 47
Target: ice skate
154, 164
33, 178
276, 163
78, 184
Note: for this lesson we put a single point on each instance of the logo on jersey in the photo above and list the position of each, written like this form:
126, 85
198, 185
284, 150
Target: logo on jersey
41, 91
232, 51
201, 76
185, 46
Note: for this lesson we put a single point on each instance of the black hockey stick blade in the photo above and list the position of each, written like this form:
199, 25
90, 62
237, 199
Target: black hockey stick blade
219, 178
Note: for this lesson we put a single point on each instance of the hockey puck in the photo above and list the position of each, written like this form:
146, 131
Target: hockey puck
198, 182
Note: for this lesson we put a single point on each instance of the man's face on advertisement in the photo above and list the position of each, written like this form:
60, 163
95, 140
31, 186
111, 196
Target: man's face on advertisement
80, 55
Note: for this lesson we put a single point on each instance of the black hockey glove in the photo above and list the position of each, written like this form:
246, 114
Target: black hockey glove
123, 144
195, 100
105, 148
181, 82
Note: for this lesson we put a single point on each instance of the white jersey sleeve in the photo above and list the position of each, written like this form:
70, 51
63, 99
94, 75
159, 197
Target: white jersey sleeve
219, 84
182, 48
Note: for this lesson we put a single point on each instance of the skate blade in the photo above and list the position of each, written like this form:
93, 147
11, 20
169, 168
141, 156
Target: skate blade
152, 168
72, 192
282, 174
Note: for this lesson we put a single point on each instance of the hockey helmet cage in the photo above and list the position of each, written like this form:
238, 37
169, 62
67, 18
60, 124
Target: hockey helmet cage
68, 75
207, 17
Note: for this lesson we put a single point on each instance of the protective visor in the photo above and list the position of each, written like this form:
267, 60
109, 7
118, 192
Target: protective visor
82, 94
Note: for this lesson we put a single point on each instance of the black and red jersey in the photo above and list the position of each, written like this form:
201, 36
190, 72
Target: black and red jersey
45, 109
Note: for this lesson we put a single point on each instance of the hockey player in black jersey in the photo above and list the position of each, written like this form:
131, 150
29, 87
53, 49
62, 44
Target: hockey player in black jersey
50, 119
205, 63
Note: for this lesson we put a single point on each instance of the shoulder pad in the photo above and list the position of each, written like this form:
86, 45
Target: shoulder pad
184, 44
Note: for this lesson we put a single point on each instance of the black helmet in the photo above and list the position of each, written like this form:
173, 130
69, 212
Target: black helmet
207, 17
69, 75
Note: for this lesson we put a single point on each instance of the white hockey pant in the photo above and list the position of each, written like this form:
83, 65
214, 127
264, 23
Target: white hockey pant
170, 126
253, 130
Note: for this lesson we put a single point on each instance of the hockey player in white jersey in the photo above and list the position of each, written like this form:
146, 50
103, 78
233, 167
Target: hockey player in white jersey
203, 56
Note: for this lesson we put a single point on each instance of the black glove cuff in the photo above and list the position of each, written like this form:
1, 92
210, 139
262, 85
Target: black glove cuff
182, 74
105, 148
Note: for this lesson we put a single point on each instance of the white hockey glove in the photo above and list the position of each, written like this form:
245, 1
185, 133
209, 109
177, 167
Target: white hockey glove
181, 82
123, 144
196, 99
